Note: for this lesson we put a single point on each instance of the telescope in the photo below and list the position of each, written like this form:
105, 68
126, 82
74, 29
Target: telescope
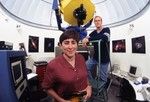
74, 12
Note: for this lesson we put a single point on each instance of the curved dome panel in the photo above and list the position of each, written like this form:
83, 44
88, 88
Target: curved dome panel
39, 13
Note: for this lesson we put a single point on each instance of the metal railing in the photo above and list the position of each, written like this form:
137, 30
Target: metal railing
99, 56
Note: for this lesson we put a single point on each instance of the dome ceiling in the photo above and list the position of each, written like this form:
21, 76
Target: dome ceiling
39, 13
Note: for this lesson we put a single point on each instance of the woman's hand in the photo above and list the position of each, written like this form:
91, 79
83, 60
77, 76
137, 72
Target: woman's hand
88, 91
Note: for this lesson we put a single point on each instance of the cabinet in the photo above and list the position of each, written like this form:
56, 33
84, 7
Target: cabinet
13, 81
40, 71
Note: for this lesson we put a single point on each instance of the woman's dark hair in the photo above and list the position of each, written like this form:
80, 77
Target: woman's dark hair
69, 33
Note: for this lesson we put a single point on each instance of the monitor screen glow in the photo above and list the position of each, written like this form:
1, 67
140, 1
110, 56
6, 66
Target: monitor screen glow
17, 71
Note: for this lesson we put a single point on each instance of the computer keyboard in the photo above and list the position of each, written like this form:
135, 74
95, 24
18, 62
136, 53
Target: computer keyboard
131, 78
123, 73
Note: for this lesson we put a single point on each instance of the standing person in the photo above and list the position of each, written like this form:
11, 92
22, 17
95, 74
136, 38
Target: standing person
66, 75
103, 34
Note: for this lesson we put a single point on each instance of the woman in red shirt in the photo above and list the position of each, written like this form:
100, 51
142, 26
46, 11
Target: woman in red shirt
67, 73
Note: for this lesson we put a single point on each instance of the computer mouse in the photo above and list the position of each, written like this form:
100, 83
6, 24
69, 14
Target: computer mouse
148, 89
137, 82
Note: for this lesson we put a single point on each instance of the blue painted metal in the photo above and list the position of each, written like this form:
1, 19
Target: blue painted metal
7, 87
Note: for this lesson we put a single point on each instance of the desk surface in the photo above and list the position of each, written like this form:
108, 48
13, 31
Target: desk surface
137, 88
31, 75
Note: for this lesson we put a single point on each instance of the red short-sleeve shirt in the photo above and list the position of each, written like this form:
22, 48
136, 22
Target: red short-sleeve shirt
63, 78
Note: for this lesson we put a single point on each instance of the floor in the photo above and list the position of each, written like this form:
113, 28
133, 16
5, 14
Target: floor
113, 93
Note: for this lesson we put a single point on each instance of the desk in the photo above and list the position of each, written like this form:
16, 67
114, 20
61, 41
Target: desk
131, 80
138, 89
31, 75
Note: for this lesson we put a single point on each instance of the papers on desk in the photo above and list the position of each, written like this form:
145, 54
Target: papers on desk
146, 93
120, 73
123, 74
31, 75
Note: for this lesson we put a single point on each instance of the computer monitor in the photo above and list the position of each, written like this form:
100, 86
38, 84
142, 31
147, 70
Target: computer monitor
17, 71
13, 80
134, 71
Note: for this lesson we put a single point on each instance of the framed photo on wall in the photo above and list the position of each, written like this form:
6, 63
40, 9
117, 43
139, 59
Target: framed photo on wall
138, 44
33, 44
22, 47
49, 44
119, 45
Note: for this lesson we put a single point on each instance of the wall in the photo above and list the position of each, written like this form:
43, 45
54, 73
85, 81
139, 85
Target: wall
141, 28
9, 32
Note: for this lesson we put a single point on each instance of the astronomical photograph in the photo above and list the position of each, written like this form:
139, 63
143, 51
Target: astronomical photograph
118, 46
33, 44
138, 45
49, 45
